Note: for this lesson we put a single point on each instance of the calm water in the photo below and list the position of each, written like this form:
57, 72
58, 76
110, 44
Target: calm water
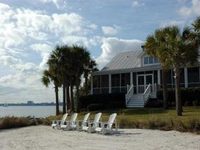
37, 111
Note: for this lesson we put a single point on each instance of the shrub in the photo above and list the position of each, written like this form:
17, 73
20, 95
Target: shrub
126, 123
108, 101
189, 96
154, 103
93, 107
15, 122
191, 125
194, 125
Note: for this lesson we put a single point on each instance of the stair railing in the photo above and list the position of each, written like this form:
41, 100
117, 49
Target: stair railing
147, 93
129, 94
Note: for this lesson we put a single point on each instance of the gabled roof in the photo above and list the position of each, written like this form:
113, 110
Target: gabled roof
125, 60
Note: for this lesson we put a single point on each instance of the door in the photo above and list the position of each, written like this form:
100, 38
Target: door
140, 83
143, 81
149, 80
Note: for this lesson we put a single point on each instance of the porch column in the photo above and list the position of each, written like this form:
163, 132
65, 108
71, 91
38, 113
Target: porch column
91, 92
109, 80
158, 77
131, 78
186, 77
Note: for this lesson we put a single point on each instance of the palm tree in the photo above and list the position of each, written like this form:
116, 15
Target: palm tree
88, 69
70, 64
196, 28
154, 47
58, 61
177, 49
81, 59
49, 76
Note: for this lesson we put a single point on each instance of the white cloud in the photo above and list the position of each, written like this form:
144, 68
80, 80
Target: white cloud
57, 3
137, 3
9, 60
109, 30
193, 10
172, 22
112, 46
44, 51
26, 39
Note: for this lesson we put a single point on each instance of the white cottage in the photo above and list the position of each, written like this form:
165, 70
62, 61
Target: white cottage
139, 76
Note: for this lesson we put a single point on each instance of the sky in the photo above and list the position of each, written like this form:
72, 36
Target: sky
30, 30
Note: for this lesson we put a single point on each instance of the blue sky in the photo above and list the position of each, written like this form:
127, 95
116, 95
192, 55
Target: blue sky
29, 30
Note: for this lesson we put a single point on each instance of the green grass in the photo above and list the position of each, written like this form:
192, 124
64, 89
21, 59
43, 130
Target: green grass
159, 113
145, 118
156, 118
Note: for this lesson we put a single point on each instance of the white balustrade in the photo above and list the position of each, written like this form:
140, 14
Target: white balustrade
147, 93
129, 94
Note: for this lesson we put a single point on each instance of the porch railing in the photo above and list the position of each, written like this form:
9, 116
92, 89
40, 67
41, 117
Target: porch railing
147, 93
129, 93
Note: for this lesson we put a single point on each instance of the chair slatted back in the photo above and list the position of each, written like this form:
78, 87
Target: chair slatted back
97, 119
86, 117
111, 120
64, 117
73, 117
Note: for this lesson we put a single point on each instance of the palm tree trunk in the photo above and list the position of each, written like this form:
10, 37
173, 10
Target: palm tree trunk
77, 97
57, 100
86, 80
164, 81
68, 99
177, 91
72, 97
64, 98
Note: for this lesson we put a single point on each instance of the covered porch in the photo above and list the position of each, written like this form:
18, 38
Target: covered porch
120, 81
140, 84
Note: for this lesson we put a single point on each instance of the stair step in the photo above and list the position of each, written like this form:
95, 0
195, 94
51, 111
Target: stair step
136, 101
135, 106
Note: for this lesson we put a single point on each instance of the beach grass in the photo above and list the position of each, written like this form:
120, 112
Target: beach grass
16, 122
152, 118
156, 118
143, 118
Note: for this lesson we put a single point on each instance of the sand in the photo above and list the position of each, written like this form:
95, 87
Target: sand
46, 138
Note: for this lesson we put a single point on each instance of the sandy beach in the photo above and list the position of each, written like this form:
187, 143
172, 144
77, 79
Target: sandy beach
46, 138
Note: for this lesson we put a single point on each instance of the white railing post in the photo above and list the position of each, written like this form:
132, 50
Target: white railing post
186, 77
127, 88
147, 93
129, 94
91, 92
109, 84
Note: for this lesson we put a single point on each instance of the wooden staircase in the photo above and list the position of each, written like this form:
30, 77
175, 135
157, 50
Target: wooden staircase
139, 100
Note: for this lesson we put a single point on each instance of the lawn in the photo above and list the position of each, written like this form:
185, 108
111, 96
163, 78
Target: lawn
156, 118
145, 118
143, 114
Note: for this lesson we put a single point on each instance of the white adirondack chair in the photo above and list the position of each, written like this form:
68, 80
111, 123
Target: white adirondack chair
58, 123
107, 128
82, 123
71, 124
85, 121
90, 126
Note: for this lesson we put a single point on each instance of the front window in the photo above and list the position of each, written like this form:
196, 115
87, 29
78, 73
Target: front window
148, 60
151, 61
193, 77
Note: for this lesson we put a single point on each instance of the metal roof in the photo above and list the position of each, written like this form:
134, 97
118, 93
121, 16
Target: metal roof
129, 62
125, 60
